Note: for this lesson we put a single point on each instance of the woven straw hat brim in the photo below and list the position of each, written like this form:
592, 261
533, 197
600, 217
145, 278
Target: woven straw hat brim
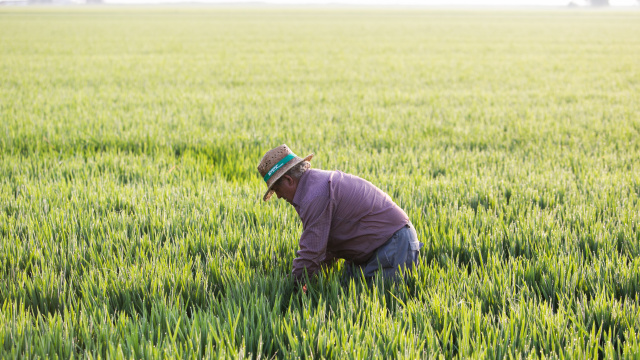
297, 160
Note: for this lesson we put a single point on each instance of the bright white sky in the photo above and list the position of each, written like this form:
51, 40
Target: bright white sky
452, 3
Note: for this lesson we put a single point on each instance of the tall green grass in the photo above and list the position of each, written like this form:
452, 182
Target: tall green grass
131, 219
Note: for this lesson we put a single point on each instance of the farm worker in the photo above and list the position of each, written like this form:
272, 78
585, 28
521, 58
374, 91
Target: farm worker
343, 217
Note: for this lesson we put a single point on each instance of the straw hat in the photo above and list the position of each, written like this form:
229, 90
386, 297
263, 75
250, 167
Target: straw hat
275, 163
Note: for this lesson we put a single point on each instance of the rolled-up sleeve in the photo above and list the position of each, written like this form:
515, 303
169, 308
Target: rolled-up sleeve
316, 223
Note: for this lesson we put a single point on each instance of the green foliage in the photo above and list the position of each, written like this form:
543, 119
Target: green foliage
131, 219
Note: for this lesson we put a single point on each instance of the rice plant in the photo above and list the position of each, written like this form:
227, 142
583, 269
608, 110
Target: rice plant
131, 219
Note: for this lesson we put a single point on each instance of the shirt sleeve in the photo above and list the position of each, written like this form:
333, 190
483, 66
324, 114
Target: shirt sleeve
316, 223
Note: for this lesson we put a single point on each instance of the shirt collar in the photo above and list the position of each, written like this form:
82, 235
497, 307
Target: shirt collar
301, 189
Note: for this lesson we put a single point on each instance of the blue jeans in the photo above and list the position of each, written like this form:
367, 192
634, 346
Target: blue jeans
399, 253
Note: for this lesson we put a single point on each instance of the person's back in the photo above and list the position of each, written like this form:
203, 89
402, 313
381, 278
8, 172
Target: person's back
362, 217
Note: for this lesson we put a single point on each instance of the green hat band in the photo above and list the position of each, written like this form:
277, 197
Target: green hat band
278, 166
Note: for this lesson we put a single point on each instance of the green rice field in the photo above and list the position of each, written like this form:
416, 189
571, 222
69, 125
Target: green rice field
131, 216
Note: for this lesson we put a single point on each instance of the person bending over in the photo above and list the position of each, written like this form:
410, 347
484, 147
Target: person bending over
343, 217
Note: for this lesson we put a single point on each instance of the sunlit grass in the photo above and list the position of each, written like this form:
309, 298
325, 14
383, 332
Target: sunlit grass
131, 220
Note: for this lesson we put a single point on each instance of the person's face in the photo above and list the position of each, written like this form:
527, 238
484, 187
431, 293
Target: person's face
285, 188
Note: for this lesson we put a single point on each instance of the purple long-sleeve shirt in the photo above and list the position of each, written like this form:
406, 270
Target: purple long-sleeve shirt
343, 216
